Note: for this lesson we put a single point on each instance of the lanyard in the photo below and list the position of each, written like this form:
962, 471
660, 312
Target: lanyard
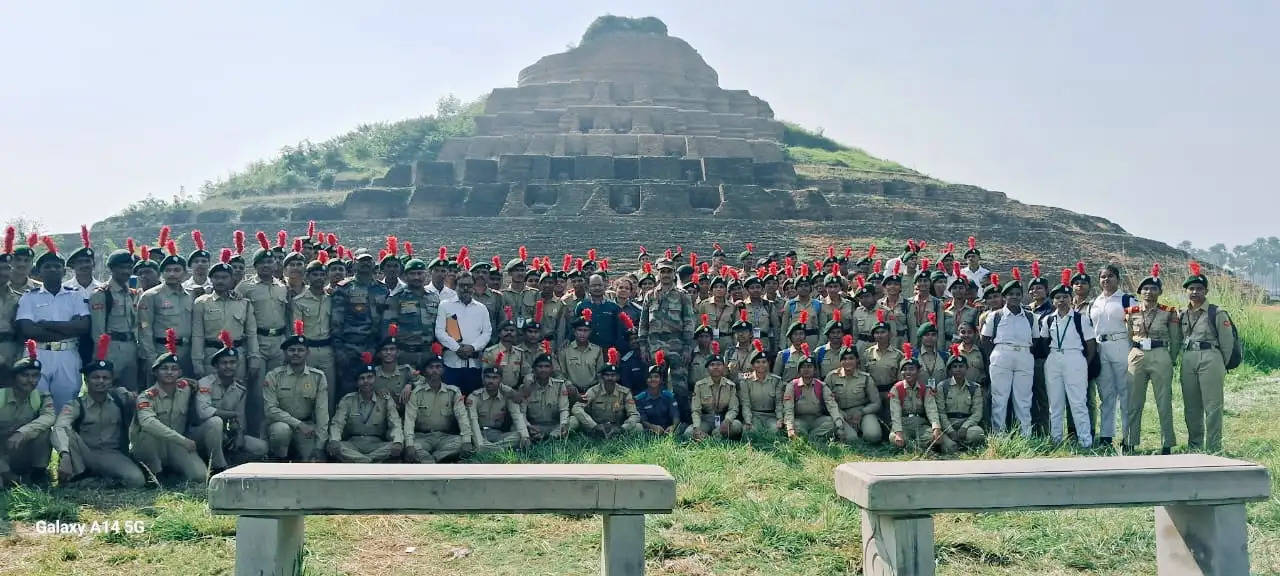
1058, 321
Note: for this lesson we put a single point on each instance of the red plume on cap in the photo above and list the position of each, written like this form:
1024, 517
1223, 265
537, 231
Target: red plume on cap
297, 245
1080, 267
586, 314
955, 269
933, 318
282, 238
644, 251
742, 314
995, 279
627, 323
164, 235
104, 344
546, 346
523, 252
921, 245
1066, 276
225, 256
577, 264
171, 341
951, 247
751, 247
757, 344
973, 243
497, 263
31, 349
715, 347
862, 282
84, 236
604, 265
1017, 274
817, 265
32, 240
463, 252
535, 264
508, 313
49, 245
311, 229
1155, 270
366, 358
848, 253
804, 269
198, 238
924, 263
831, 251
613, 356
648, 268
911, 244
704, 319
443, 253
171, 248
706, 269
871, 251
331, 239
693, 259
880, 315
591, 254
567, 262
877, 267
847, 341
897, 267
10, 233
955, 349
225, 337
393, 245
835, 315
760, 272
537, 312
238, 238
546, 264
382, 254
1194, 267
437, 349
393, 330
1035, 268
297, 327
408, 249
804, 348
322, 257
906, 349
835, 269
804, 316
465, 263
262, 240
788, 261
144, 250
660, 357
667, 254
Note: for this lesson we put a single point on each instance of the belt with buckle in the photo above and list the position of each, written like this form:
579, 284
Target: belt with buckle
180, 342
57, 346
1015, 347
1112, 337
271, 331
913, 415
318, 343
218, 343
121, 336
1154, 344
957, 415
1201, 345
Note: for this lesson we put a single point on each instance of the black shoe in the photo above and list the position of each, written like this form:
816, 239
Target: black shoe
1166, 451
1104, 441
1127, 450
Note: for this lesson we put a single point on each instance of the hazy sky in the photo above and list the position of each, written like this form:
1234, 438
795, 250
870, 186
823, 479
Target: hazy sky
1161, 116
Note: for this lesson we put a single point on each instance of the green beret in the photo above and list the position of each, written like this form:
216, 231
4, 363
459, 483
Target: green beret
831, 324
514, 264
957, 359
164, 358
171, 260
119, 258
1010, 285
1159, 284
82, 251
145, 263
926, 328
260, 254
49, 255
1060, 289
224, 351
414, 265
315, 265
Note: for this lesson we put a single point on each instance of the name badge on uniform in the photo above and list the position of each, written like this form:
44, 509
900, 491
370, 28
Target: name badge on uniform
1145, 344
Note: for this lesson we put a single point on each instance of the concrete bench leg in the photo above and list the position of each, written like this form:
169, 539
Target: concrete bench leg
1208, 540
896, 545
622, 547
268, 546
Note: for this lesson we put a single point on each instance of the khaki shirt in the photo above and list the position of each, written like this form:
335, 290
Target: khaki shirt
295, 397
698, 364
393, 383
736, 361
213, 313
514, 363
864, 320
898, 320
959, 405
720, 317
438, 410
357, 416
8, 311
159, 309
604, 407
102, 425
801, 399
270, 303
1157, 323
30, 416
882, 366
763, 323
212, 396
917, 400
555, 321
522, 305
977, 371
580, 365
123, 316
850, 394
848, 321
314, 312
788, 368
760, 396
546, 403
712, 398
164, 414
1196, 328
933, 368
501, 411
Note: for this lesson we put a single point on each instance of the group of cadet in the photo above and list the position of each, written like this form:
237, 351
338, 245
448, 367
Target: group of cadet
312, 352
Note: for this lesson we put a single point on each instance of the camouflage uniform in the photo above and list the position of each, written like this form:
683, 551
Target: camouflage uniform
667, 324
414, 313
356, 318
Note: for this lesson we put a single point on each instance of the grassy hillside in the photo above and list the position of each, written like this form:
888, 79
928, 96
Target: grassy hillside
805, 147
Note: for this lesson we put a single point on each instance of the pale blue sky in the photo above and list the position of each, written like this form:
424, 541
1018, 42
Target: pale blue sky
1161, 116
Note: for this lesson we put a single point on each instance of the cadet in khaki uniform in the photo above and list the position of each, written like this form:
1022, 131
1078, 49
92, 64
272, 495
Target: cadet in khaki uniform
913, 409
933, 367
546, 399
896, 308
26, 416
551, 313
607, 408
296, 398
787, 364
719, 311
960, 403
760, 312
112, 312
9, 344
835, 302
436, 424
804, 405
221, 311
703, 347
714, 405
166, 307
804, 310
1155, 331
738, 357
852, 399
390, 376
519, 297
270, 299
667, 324
314, 307
91, 434
883, 363
580, 360
222, 394
365, 427
515, 359
1207, 345
162, 416
760, 394
497, 419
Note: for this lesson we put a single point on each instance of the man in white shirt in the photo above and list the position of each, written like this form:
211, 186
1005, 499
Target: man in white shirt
1066, 370
55, 318
463, 328
975, 270
436, 270
1107, 313
1008, 333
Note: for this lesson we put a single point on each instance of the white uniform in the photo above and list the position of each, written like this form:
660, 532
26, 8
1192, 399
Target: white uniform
1107, 313
1066, 371
978, 277
60, 375
1012, 367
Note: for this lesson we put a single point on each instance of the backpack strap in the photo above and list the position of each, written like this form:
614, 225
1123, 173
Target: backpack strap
1213, 320
995, 324
1079, 328
786, 356
75, 424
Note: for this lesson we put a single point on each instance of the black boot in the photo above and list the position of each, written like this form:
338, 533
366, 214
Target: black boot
1104, 441
1166, 451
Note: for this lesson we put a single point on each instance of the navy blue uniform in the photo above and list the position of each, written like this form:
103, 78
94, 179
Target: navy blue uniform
661, 411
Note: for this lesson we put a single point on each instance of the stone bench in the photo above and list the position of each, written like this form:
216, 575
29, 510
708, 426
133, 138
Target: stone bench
1199, 503
271, 501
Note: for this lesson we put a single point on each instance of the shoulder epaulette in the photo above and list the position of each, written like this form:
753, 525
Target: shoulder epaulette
1133, 310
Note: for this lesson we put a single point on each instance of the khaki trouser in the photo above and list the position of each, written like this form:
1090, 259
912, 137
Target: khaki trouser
708, 425
124, 360
1202, 377
815, 427
436, 446
962, 436
496, 440
576, 424
549, 431
321, 358
283, 442
1154, 366
254, 409
105, 462
364, 449
160, 454
31, 457
765, 423
867, 431
917, 434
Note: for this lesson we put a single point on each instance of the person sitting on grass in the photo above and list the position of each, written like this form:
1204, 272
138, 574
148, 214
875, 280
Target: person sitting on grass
913, 409
714, 404
659, 412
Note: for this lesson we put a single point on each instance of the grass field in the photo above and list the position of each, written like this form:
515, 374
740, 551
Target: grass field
764, 507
